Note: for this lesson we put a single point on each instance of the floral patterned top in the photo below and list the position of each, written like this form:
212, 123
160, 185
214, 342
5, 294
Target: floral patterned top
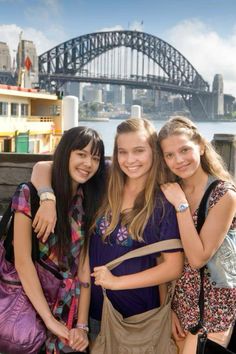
162, 225
68, 293
220, 303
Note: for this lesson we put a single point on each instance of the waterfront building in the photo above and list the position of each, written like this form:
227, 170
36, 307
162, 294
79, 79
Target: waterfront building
5, 58
128, 96
72, 88
92, 94
218, 95
119, 94
30, 121
27, 64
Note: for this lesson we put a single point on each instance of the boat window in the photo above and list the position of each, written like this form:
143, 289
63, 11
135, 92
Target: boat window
15, 109
3, 108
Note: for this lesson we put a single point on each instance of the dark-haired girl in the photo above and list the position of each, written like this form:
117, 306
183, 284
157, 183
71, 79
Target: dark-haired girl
78, 161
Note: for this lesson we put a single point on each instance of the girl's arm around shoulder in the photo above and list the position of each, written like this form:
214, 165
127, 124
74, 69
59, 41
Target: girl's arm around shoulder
45, 218
167, 220
42, 174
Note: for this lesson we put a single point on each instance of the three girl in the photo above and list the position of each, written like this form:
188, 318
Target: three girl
134, 212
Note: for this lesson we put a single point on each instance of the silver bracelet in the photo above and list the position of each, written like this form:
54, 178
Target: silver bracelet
82, 326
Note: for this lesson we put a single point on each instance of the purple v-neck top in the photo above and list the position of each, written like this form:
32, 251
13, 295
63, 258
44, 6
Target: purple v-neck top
162, 225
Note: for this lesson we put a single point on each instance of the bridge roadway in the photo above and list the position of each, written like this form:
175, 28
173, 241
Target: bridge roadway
140, 82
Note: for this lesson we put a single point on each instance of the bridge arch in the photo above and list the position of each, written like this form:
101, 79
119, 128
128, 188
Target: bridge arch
69, 58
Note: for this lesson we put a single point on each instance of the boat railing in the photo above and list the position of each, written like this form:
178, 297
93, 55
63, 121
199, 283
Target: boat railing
41, 119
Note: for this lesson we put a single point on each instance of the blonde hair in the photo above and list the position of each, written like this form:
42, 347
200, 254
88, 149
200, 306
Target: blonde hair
211, 161
135, 219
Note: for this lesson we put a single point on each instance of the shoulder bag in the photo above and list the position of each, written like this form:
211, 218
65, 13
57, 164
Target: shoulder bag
146, 333
204, 344
22, 331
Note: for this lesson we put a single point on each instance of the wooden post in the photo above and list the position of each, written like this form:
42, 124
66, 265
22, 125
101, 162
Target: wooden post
225, 145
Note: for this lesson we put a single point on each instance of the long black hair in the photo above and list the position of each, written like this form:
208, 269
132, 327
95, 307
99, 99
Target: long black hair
75, 139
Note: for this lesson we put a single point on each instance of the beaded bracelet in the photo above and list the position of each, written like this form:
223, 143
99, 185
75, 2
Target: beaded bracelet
84, 285
82, 326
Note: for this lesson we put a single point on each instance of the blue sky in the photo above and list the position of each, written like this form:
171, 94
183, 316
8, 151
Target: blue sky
204, 31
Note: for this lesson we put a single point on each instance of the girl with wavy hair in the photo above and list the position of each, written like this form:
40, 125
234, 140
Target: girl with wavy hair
191, 165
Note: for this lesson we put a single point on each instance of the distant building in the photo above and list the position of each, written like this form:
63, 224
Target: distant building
27, 64
218, 95
92, 94
5, 58
128, 96
30, 121
72, 88
109, 97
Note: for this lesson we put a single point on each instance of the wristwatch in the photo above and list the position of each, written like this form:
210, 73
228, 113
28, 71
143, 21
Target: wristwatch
47, 196
182, 207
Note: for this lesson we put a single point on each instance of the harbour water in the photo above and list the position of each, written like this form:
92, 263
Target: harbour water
107, 129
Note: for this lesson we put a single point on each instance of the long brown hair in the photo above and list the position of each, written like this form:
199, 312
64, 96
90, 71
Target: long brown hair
75, 139
136, 218
211, 161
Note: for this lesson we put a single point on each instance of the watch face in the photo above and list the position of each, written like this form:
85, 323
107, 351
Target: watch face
182, 207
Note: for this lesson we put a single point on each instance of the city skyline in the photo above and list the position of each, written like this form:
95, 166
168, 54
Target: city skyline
205, 33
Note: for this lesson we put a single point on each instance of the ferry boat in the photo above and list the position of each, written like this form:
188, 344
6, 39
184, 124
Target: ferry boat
30, 120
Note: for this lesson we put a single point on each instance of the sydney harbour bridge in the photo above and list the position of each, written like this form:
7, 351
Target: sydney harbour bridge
130, 58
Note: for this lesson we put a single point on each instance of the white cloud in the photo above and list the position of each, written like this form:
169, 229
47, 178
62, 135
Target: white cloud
114, 28
136, 26
10, 35
133, 26
209, 53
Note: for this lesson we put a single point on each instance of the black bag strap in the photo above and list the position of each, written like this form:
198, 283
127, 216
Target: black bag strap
5, 220
201, 216
34, 208
7, 225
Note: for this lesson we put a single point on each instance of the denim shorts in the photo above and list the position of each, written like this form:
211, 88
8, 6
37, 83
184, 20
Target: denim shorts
94, 328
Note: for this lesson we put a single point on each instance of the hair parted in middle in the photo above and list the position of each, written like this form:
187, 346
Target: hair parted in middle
211, 161
73, 139
136, 218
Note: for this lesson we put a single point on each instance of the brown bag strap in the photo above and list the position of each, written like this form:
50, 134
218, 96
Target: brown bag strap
159, 246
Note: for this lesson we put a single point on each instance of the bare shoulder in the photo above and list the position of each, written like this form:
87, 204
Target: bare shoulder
231, 195
44, 163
